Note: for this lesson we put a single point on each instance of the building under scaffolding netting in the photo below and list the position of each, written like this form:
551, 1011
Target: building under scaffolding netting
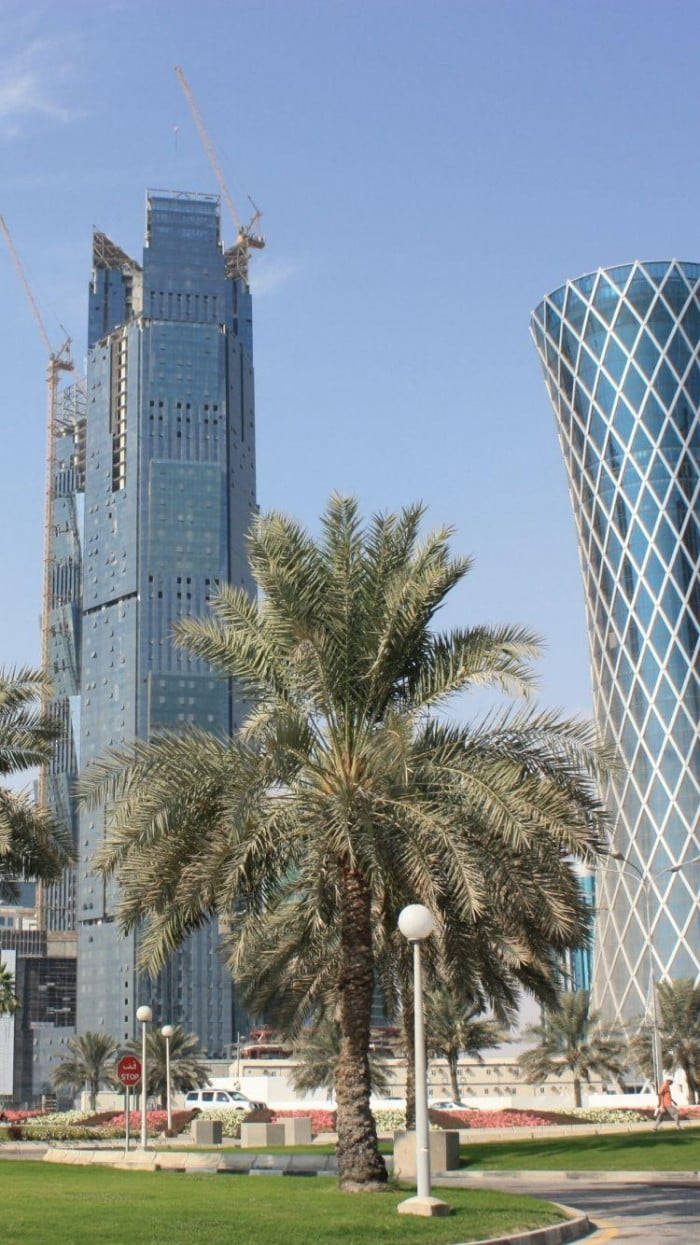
63, 641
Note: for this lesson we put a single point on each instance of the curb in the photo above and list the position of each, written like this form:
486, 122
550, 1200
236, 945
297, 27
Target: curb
546, 1176
558, 1234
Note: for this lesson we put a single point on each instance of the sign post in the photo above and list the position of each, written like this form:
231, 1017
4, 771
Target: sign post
129, 1074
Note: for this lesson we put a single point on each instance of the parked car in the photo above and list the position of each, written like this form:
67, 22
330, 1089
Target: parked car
220, 1100
447, 1104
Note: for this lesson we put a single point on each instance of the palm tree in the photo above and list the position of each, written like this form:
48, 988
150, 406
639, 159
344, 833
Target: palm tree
345, 779
679, 1030
31, 844
455, 1025
8, 1002
318, 1053
570, 1040
187, 1071
90, 1062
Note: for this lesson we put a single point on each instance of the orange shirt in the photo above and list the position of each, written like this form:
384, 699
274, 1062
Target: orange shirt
665, 1099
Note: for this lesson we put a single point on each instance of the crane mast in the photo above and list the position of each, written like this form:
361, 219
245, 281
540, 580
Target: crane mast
237, 255
58, 361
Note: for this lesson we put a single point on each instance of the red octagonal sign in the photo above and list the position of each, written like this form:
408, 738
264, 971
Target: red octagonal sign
129, 1070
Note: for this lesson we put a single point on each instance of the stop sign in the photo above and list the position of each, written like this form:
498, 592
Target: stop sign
129, 1070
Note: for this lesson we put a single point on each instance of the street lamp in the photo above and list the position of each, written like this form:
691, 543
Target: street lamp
645, 878
167, 1032
417, 922
144, 1015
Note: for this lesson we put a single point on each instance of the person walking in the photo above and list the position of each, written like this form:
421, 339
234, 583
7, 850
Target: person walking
666, 1105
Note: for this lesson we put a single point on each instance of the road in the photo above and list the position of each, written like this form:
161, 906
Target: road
653, 1214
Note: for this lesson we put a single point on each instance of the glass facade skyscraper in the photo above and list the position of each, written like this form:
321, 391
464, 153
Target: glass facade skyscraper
169, 497
620, 352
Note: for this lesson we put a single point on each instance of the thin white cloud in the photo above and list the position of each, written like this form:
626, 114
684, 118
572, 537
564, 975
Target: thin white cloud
30, 87
268, 275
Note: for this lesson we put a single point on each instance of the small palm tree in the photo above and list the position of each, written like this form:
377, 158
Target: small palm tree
31, 844
679, 1029
570, 1040
345, 780
455, 1026
317, 1053
8, 1002
90, 1062
187, 1071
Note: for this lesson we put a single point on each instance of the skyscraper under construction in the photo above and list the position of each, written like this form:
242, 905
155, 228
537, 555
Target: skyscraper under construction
169, 495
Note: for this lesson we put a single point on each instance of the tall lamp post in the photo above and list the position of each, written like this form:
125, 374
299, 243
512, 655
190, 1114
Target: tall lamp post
645, 878
417, 922
144, 1015
167, 1032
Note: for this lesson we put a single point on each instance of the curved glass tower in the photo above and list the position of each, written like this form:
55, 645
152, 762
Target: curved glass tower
620, 351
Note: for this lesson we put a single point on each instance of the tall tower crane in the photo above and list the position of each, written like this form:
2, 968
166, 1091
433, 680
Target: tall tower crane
58, 361
246, 237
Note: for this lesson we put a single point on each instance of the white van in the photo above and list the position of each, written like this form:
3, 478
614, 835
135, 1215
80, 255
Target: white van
220, 1100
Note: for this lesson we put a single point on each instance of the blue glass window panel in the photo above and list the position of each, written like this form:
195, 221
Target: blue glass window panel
577, 435
575, 310
683, 731
656, 270
566, 380
653, 415
692, 385
659, 476
688, 635
644, 606
558, 297
676, 507
640, 445
623, 420
620, 274
634, 387
687, 798
626, 326
615, 360
660, 322
691, 322
646, 355
595, 334
654, 574
613, 549
581, 403
606, 299
633, 639
590, 460
606, 484
638, 543
660, 636
642, 773
687, 475
675, 291
657, 803
614, 454
569, 344
552, 321
691, 542
678, 352
628, 577
665, 384
682, 571
538, 335
654, 735
605, 395
649, 671
622, 515
587, 369
607, 586
585, 284
670, 442
691, 271
538, 314
671, 603
552, 356
640, 293
629, 739
665, 540
682, 416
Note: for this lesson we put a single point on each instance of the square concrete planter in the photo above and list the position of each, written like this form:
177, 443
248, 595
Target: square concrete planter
444, 1153
206, 1132
261, 1135
297, 1130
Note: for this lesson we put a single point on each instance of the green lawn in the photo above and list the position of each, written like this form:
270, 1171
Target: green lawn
82, 1205
667, 1150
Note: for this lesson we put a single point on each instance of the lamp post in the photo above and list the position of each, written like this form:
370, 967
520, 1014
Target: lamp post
645, 878
167, 1032
417, 922
144, 1015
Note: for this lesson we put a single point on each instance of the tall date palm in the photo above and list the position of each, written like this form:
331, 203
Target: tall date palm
345, 777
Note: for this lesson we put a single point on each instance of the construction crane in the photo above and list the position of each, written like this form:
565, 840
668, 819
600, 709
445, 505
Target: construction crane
58, 361
246, 237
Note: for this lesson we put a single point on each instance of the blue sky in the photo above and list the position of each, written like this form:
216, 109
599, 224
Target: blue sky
426, 172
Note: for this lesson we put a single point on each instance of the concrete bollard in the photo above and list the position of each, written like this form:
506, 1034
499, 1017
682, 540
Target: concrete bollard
261, 1135
206, 1132
297, 1130
444, 1153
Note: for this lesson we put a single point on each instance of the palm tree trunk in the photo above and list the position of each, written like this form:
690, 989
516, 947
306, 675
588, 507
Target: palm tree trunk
452, 1063
360, 1165
577, 1092
94, 1086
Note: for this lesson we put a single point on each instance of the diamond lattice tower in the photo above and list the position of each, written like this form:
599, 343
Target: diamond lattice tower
620, 351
